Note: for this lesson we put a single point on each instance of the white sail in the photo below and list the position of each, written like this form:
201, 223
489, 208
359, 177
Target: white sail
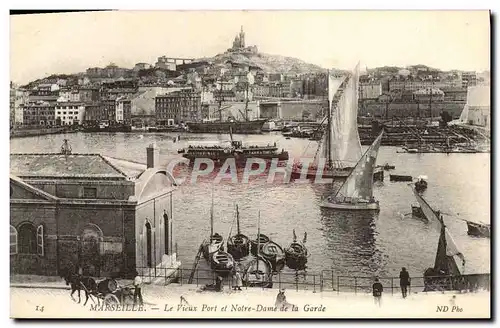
359, 184
333, 85
344, 137
464, 116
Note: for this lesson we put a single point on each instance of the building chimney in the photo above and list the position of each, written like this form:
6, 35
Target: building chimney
153, 156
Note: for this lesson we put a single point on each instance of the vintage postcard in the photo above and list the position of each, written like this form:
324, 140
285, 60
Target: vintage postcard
250, 164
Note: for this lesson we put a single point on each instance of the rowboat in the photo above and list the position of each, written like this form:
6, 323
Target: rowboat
273, 252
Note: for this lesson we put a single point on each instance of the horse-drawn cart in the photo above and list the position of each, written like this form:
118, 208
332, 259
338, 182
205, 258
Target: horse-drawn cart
111, 293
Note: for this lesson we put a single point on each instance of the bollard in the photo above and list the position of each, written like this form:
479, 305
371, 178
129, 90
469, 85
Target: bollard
314, 283
338, 283
355, 285
392, 285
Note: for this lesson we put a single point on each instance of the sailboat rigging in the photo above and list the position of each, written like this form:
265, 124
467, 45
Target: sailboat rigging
340, 146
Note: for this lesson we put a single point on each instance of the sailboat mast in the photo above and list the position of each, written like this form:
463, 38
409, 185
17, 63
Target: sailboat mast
246, 100
329, 129
258, 241
212, 215
237, 220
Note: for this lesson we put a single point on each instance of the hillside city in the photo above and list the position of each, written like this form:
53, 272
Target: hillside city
177, 90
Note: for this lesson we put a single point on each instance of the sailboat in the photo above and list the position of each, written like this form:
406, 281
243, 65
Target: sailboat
449, 260
215, 242
247, 126
238, 245
356, 193
340, 146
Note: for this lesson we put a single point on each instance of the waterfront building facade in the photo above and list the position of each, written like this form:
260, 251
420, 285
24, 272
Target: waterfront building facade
179, 106
123, 113
39, 113
370, 90
69, 113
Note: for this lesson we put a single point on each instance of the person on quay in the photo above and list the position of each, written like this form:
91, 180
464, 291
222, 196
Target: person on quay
138, 288
377, 292
237, 280
218, 284
404, 281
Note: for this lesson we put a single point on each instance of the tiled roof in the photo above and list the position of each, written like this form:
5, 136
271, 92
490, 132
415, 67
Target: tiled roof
64, 166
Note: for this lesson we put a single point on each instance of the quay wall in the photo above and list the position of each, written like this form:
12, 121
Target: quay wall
19, 133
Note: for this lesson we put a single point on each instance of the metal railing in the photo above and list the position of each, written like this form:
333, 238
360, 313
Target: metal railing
327, 280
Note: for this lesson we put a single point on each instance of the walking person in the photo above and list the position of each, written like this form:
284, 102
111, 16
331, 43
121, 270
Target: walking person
377, 292
138, 288
404, 281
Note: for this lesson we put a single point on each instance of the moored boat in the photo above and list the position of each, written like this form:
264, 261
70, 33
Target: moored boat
243, 127
215, 242
388, 167
274, 253
234, 150
238, 245
257, 272
478, 229
400, 178
421, 183
296, 254
417, 212
256, 244
222, 263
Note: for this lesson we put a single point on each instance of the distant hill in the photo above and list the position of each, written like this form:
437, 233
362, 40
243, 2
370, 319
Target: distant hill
266, 62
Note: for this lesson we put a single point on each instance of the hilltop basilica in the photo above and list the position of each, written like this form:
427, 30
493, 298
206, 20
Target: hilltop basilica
239, 44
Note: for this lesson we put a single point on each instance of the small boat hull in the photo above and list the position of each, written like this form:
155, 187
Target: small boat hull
215, 244
478, 230
421, 185
257, 275
238, 246
395, 177
263, 239
374, 206
296, 256
222, 263
417, 212
274, 254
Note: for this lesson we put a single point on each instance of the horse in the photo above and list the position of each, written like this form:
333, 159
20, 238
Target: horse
77, 283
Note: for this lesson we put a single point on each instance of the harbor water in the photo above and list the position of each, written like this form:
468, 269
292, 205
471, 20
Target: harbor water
349, 244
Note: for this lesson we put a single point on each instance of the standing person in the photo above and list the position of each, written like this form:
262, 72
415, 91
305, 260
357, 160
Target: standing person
404, 281
239, 282
218, 284
138, 288
377, 292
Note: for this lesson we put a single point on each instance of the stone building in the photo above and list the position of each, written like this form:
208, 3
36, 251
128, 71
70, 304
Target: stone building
39, 113
69, 209
180, 106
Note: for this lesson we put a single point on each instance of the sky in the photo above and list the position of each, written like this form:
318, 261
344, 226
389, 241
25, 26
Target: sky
46, 44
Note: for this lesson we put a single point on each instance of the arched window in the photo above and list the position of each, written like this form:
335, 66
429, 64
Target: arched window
13, 240
30, 239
